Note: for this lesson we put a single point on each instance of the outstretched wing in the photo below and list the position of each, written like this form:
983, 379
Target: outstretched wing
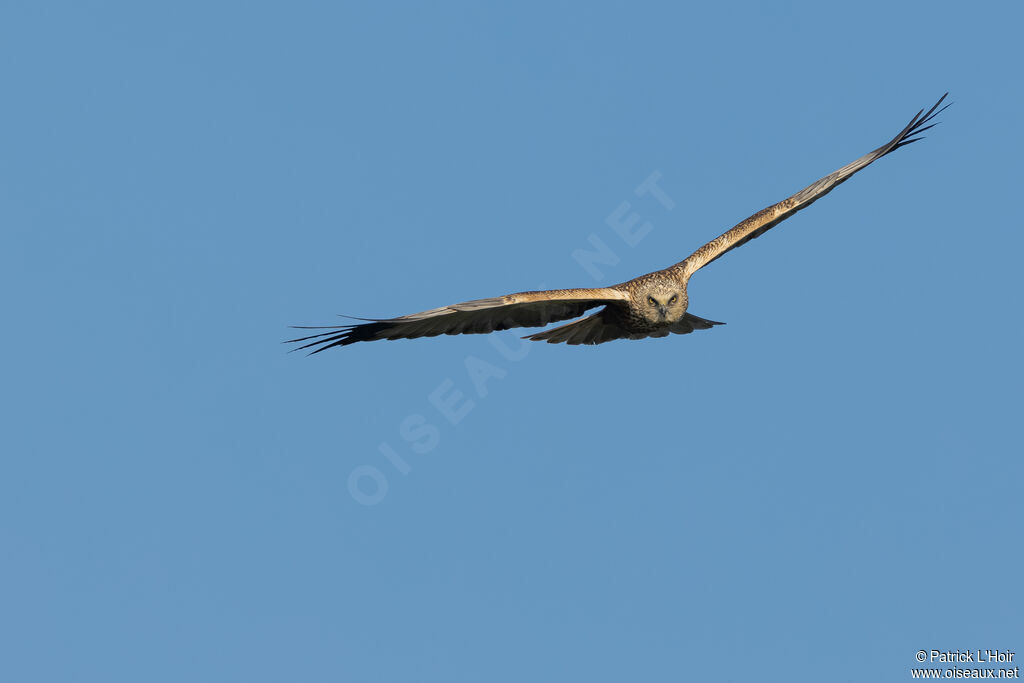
763, 221
525, 309
605, 325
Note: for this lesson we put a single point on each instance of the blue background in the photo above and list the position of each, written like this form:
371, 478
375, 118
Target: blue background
820, 488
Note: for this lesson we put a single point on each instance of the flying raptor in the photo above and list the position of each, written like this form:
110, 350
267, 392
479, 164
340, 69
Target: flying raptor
652, 305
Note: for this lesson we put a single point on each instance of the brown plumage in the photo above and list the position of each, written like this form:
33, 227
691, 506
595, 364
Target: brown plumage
652, 305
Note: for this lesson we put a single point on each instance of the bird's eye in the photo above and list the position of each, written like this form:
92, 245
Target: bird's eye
675, 297
651, 301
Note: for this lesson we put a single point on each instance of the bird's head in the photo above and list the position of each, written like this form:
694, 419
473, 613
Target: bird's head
661, 301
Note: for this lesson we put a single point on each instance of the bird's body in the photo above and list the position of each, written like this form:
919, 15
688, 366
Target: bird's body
652, 305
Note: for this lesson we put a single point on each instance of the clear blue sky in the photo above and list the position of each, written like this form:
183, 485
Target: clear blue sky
815, 491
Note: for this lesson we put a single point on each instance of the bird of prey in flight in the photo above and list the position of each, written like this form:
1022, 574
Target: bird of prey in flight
652, 305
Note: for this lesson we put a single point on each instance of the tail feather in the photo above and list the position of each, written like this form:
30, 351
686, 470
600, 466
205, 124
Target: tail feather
691, 322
